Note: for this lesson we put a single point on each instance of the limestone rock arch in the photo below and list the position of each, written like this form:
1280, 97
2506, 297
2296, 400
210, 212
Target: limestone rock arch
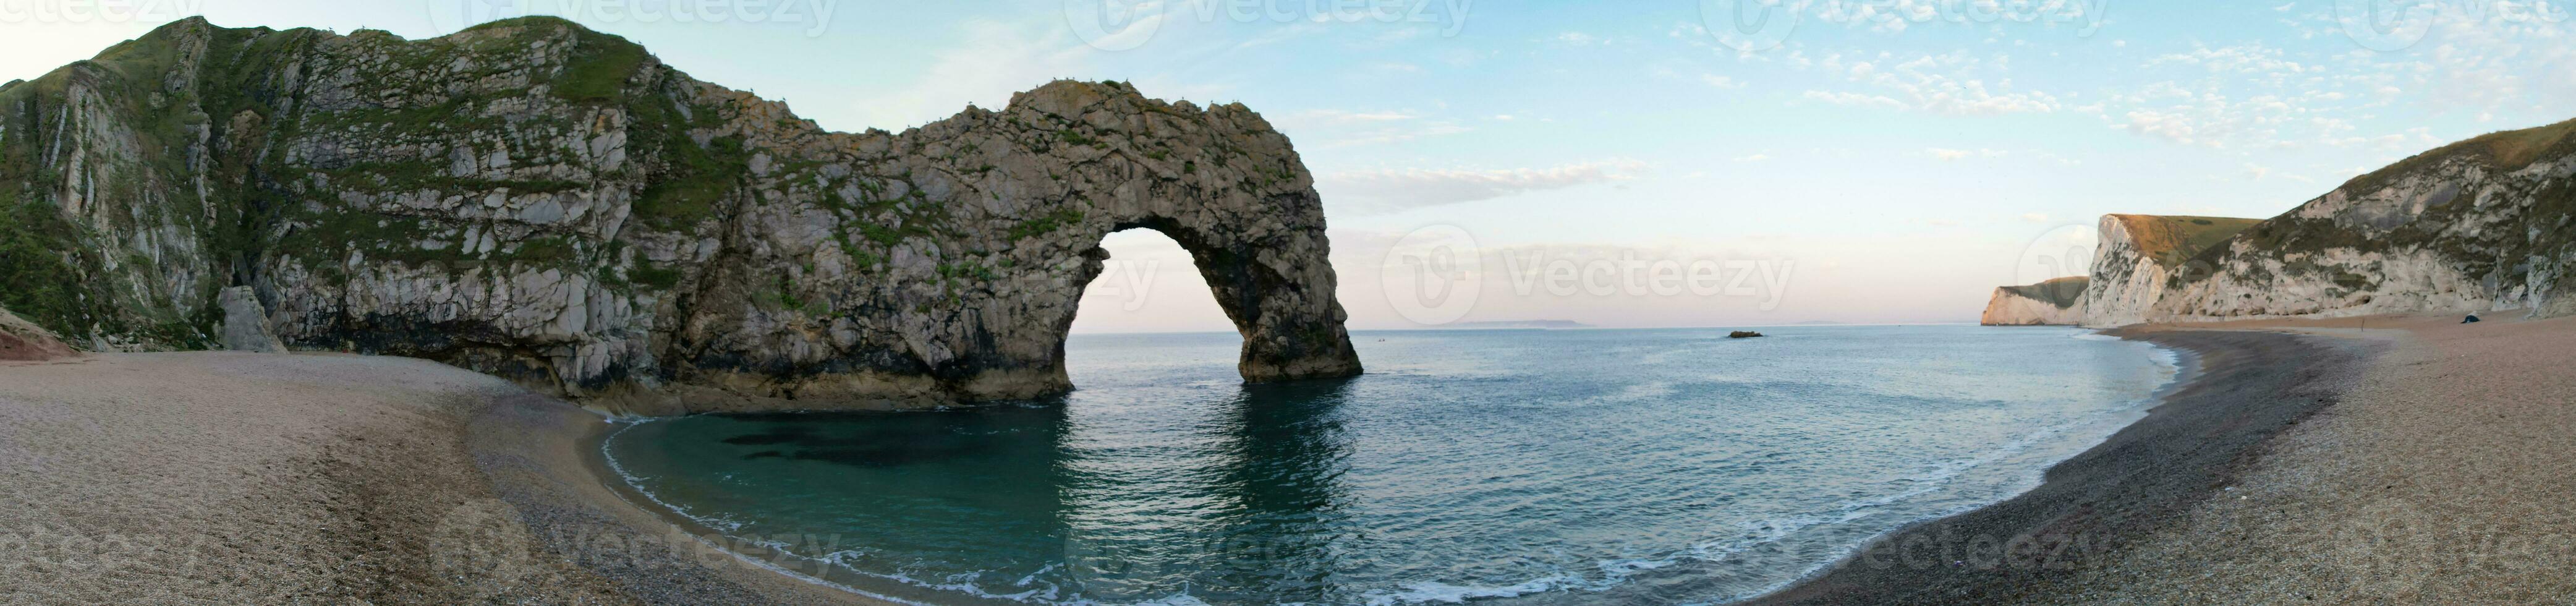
977, 306
539, 201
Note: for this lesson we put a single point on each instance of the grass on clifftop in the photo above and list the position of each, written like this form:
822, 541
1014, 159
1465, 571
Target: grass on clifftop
598, 68
2062, 292
2174, 240
2507, 151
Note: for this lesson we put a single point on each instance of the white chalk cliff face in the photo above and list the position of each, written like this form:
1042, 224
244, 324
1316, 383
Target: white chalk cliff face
2483, 225
2126, 281
2058, 302
550, 204
2480, 226
2137, 258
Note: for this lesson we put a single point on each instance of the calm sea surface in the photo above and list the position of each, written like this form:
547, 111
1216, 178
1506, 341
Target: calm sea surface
1590, 466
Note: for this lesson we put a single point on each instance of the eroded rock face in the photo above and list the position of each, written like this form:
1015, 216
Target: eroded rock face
2138, 257
546, 203
2487, 224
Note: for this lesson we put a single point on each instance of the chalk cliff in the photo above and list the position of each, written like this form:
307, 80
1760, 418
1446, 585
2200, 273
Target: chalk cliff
554, 205
2487, 224
2058, 302
2137, 258
2479, 225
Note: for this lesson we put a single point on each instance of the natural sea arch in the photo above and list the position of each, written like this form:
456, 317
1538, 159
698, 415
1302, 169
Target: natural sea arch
979, 307
553, 205
1288, 334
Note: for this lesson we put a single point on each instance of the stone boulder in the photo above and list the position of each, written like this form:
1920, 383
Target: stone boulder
246, 322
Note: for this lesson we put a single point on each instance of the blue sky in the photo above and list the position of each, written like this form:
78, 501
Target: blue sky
1890, 162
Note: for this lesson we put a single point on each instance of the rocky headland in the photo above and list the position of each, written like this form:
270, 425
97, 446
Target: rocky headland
2483, 225
553, 205
2052, 302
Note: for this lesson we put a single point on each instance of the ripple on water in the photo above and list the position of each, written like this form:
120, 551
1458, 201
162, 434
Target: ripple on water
1541, 466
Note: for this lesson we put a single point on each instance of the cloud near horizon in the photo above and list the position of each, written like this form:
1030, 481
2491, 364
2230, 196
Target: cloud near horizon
1384, 191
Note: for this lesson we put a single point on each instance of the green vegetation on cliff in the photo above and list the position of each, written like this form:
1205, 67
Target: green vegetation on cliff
2061, 292
2503, 150
41, 257
2174, 240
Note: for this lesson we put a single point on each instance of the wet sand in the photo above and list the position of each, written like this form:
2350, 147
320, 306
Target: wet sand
216, 477
2420, 462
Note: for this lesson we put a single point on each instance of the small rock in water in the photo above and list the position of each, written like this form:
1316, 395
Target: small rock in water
1742, 334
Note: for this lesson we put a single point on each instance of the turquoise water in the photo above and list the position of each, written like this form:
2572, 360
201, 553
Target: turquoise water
1591, 466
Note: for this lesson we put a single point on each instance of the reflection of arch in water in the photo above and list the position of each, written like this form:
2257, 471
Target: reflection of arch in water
1249, 516
1283, 473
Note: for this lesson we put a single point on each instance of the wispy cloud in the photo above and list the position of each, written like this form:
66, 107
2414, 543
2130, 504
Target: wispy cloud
1378, 191
1947, 155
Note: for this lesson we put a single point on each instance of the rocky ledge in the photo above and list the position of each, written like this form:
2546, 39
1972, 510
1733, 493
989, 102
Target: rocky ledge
539, 201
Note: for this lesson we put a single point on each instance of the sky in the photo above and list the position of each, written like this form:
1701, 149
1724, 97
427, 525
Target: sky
1639, 163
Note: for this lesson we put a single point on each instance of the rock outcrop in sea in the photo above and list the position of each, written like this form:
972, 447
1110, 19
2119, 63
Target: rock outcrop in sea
2483, 225
539, 201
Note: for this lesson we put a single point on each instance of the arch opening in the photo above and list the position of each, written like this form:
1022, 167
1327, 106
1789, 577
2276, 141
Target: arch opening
1148, 283
1152, 273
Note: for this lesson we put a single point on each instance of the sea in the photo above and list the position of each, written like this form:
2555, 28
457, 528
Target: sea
1667, 466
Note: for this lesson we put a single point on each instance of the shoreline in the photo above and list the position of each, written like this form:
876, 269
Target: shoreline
2240, 388
543, 458
232, 478
2359, 465
770, 557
